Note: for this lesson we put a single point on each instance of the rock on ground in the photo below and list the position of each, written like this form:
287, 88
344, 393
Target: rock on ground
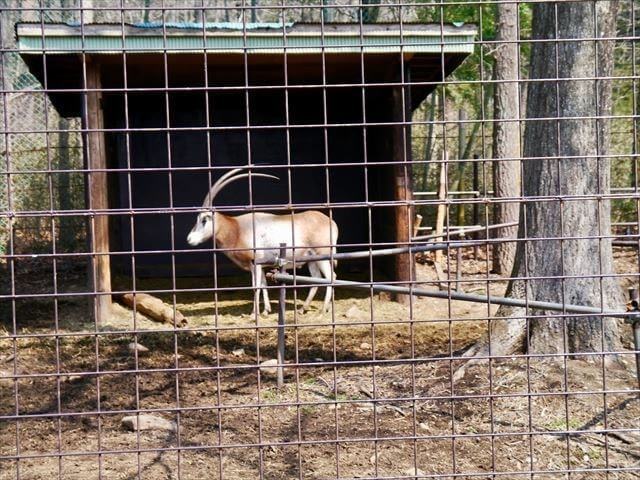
269, 367
133, 347
148, 422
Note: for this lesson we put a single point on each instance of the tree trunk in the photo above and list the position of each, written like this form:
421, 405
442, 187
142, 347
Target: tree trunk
370, 14
573, 164
254, 13
428, 145
327, 13
87, 11
465, 149
506, 135
460, 184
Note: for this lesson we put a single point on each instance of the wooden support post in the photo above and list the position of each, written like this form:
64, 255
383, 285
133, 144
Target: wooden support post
458, 268
417, 221
442, 207
440, 217
97, 192
476, 207
403, 192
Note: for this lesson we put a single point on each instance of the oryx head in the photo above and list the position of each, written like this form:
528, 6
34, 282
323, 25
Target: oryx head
205, 226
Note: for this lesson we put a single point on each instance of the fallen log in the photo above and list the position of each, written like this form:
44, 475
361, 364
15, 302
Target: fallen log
152, 307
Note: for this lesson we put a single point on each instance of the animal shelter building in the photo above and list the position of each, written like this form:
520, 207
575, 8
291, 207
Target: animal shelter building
169, 108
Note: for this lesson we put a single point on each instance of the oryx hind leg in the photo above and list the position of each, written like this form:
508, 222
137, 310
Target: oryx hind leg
315, 272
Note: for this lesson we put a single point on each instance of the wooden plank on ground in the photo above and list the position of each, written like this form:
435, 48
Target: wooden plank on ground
152, 307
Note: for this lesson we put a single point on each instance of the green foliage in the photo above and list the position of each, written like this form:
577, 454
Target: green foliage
466, 89
370, 14
624, 172
479, 65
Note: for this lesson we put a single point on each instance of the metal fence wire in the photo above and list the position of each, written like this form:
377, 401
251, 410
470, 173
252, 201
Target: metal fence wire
319, 239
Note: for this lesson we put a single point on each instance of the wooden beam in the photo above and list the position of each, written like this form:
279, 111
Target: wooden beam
417, 221
404, 267
442, 207
97, 191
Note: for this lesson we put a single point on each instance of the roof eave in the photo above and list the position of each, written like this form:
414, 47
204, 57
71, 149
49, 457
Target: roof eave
37, 39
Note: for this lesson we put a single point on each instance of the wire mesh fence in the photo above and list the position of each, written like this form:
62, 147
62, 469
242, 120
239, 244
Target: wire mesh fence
318, 240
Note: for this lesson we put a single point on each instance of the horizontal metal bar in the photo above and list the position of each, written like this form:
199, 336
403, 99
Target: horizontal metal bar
449, 192
307, 206
337, 125
168, 328
307, 86
85, 47
301, 403
625, 243
450, 227
465, 297
343, 164
302, 259
359, 440
463, 230
490, 192
283, 7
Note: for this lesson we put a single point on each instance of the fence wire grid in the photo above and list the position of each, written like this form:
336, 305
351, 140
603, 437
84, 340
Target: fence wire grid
454, 183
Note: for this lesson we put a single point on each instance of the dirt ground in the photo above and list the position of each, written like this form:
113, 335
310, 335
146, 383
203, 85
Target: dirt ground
368, 390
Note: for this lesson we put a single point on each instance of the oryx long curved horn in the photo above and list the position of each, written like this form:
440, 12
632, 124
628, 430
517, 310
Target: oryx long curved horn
213, 191
228, 178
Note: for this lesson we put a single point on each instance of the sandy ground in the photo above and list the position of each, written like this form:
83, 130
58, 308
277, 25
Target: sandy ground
368, 391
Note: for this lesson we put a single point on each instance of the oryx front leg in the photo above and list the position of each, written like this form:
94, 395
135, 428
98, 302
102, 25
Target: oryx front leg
329, 274
259, 285
259, 282
265, 295
255, 284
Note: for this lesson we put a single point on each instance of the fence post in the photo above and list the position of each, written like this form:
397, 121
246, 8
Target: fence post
281, 315
634, 306
476, 207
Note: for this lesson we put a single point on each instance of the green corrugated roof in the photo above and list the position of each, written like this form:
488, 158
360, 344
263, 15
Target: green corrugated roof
295, 39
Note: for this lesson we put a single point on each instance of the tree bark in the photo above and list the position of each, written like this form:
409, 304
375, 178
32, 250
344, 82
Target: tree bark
573, 163
428, 145
88, 13
460, 184
370, 14
506, 135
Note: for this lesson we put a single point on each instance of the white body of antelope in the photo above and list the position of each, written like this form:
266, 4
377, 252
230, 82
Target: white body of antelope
253, 239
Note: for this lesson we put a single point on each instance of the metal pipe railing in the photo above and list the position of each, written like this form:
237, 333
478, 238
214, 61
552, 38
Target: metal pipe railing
302, 259
631, 316
464, 231
465, 297
634, 321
